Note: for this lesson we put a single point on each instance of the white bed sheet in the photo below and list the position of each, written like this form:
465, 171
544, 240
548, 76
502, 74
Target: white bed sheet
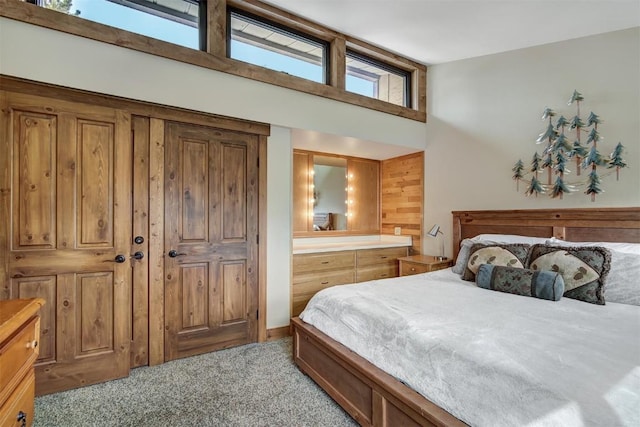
491, 358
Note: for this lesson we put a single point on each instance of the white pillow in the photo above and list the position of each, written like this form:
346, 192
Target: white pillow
508, 239
628, 248
622, 284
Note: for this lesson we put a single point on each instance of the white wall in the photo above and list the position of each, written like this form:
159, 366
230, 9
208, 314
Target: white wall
41, 54
484, 115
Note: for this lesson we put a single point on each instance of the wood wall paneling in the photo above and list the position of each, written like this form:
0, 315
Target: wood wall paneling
363, 182
402, 197
302, 165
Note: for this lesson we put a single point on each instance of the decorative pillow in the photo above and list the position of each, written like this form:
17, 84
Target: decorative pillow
623, 281
514, 255
521, 281
463, 256
584, 269
629, 248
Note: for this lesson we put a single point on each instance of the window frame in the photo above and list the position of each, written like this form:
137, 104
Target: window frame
215, 57
281, 29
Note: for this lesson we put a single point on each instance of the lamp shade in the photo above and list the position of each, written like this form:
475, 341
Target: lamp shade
434, 230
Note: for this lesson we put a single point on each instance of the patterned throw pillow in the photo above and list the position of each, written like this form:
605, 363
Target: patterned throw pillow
521, 281
584, 269
512, 255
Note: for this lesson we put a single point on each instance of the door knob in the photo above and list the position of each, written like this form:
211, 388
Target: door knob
120, 258
138, 255
173, 253
138, 240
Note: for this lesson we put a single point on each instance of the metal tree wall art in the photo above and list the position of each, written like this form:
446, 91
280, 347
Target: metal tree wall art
558, 151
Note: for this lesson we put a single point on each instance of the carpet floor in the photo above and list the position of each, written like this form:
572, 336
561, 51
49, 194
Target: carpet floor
252, 385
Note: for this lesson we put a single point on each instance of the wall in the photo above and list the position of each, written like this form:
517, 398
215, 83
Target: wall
484, 115
44, 55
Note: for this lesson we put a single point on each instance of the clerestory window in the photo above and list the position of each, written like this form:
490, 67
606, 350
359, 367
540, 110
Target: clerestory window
180, 22
375, 79
261, 42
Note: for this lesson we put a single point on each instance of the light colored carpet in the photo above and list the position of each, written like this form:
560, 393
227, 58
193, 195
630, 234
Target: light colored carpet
252, 385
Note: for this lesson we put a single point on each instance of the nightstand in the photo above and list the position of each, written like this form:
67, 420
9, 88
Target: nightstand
417, 264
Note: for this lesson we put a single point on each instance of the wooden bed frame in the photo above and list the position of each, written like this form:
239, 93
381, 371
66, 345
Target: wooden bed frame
373, 397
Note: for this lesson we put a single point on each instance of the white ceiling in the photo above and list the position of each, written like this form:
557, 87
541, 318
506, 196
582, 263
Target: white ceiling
437, 31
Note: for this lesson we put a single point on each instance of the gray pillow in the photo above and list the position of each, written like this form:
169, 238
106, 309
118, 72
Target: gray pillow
623, 282
463, 256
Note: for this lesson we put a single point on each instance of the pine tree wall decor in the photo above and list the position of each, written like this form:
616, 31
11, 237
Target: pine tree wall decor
559, 150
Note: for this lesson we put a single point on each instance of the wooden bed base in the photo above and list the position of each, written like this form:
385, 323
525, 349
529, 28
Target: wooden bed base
373, 397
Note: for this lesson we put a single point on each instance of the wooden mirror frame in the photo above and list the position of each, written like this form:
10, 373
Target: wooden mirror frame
363, 179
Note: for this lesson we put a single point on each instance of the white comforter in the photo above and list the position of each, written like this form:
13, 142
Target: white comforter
490, 358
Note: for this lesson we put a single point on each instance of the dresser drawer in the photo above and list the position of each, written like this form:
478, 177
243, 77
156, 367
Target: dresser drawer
377, 256
20, 404
303, 263
383, 271
409, 268
17, 355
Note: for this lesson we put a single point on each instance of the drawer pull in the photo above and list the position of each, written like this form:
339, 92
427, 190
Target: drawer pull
32, 344
324, 283
383, 275
22, 419
324, 262
413, 269
383, 257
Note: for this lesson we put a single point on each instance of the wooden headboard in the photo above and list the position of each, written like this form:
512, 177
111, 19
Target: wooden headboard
577, 225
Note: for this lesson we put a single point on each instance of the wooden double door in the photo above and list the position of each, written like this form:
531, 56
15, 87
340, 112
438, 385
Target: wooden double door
74, 230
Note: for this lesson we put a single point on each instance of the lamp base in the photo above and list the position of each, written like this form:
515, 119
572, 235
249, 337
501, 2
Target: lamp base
441, 258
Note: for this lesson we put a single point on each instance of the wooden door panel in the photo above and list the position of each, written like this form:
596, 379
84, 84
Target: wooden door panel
95, 183
210, 213
34, 148
94, 327
234, 201
234, 291
71, 215
44, 287
195, 298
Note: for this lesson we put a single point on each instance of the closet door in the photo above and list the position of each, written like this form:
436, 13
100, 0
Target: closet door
211, 225
65, 233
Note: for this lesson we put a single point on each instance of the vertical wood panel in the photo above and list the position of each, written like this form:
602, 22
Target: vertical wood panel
195, 301
337, 63
195, 190
402, 201
234, 203
302, 165
95, 145
156, 241
95, 301
262, 244
234, 287
41, 287
140, 222
35, 170
363, 195
6, 145
217, 28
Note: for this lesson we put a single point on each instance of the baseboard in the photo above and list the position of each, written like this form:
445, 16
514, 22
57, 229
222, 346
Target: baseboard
277, 333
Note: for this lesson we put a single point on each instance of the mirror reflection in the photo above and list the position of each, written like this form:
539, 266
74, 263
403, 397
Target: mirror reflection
329, 193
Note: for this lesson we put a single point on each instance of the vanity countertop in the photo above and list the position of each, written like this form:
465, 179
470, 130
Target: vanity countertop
348, 243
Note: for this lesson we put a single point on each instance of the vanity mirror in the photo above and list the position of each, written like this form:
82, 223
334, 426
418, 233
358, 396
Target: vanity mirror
335, 194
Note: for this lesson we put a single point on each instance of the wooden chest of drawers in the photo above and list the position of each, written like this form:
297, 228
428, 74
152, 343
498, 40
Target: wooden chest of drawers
19, 335
315, 271
417, 264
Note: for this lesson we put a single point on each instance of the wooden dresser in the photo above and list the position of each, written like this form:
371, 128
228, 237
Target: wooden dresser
313, 272
19, 335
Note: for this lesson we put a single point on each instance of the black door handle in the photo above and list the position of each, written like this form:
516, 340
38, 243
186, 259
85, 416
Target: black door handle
173, 253
138, 255
120, 259
138, 240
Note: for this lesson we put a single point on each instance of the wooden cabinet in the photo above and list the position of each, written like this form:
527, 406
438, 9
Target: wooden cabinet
375, 264
417, 264
19, 338
316, 271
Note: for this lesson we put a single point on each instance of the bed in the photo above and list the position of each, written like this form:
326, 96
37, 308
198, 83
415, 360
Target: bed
372, 396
